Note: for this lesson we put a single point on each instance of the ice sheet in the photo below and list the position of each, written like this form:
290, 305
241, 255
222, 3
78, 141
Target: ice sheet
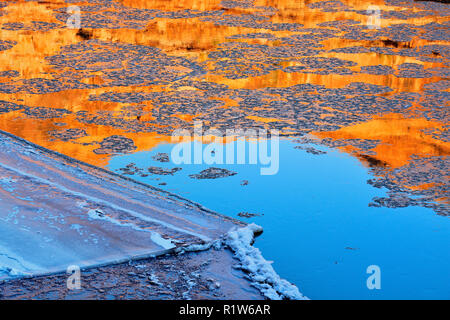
56, 212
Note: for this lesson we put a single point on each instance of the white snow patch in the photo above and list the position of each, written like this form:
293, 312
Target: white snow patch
154, 279
260, 271
217, 244
11, 272
155, 236
7, 180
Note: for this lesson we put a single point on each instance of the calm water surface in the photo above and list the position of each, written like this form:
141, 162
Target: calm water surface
318, 227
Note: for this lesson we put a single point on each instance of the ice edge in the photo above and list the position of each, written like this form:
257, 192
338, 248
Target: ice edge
259, 271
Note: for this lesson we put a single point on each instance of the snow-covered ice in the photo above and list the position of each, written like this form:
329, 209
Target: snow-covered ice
56, 212
260, 271
250, 259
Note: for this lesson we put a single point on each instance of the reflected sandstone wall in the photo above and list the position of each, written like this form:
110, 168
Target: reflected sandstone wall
193, 38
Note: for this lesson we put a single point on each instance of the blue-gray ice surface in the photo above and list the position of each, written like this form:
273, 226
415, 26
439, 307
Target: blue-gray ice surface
56, 212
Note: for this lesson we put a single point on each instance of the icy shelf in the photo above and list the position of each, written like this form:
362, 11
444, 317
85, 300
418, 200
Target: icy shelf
56, 212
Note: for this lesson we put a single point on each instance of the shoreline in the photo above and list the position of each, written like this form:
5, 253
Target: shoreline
197, 275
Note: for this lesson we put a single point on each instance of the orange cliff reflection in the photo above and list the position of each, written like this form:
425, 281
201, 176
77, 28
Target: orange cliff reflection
291, 11
37, 131
400, 138
201, 5
193, 38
